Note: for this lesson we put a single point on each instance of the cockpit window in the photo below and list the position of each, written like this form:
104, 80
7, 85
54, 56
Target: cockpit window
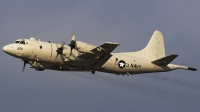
20, 42
17, 42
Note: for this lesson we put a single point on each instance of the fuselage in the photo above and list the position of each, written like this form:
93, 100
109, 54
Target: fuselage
45, 54
81, 56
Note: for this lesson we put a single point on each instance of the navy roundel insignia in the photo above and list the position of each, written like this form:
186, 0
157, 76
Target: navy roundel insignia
121, 64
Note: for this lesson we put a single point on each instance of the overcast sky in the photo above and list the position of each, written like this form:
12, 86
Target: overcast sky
56, 20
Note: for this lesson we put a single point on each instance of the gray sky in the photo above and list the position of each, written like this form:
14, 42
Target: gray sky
52, 91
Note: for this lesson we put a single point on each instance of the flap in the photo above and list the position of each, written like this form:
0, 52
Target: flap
165, 60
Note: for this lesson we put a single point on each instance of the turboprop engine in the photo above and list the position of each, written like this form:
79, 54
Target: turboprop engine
66, 52
81, 47
84, 47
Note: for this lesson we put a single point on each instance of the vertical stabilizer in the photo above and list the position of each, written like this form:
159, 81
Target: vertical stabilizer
155, 48
153, 51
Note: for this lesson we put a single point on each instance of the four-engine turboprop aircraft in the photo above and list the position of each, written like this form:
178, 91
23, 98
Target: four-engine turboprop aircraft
80, 56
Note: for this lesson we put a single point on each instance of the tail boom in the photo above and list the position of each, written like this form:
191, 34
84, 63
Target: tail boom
173, 67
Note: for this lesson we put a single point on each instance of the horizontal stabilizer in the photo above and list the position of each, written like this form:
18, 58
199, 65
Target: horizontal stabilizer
165, 60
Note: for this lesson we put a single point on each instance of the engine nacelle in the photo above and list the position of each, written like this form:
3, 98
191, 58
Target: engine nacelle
67, 51
68, 54
84, 47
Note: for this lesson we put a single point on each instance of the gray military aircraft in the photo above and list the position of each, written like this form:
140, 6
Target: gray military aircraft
80, 56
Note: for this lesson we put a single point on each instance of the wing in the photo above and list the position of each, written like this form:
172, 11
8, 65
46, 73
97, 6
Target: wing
100, 55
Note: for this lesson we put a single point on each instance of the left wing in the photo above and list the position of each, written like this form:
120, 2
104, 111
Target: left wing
101, 54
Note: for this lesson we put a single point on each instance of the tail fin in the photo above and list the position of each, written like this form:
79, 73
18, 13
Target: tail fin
154, 50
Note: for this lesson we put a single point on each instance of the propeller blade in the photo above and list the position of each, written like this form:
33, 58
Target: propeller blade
57, 45
25, 62
71, 51
57, 55
73, 36
62, 58
62, 45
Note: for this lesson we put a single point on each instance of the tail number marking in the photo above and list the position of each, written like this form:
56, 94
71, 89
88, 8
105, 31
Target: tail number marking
19, 48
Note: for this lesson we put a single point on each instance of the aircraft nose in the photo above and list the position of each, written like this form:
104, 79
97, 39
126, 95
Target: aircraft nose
5, 48
9, 49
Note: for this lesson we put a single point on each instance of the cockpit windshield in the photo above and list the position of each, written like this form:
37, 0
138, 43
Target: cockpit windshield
20, 42
17, 42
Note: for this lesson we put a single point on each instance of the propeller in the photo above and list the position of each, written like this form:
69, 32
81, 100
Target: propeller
25, 62
73, 43
60, 49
